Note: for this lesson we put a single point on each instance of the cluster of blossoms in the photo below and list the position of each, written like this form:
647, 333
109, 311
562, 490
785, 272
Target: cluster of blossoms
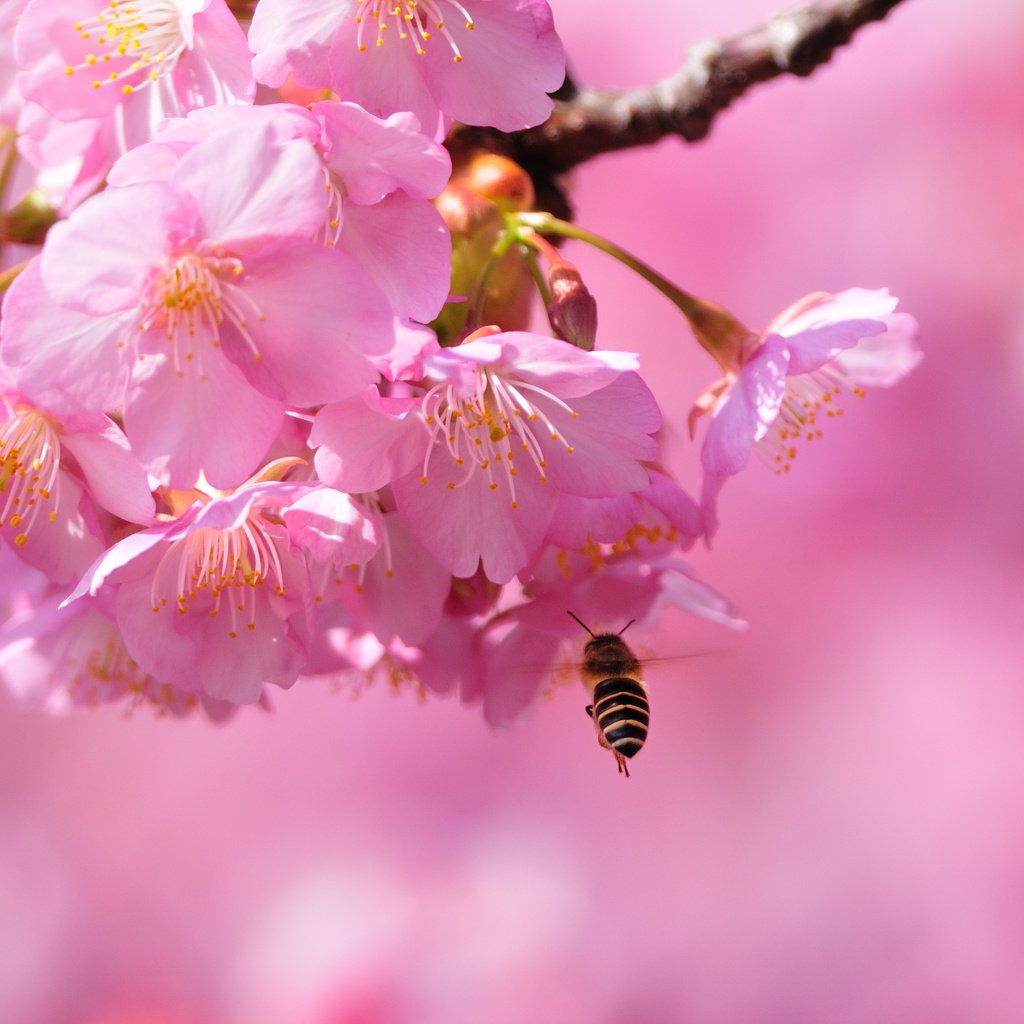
269, 409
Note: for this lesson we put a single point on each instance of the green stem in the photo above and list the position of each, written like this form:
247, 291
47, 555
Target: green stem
530, 255
505, 242
548, 225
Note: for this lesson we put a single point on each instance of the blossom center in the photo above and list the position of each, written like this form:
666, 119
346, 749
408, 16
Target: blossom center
136, 42
221, 571
29, 471
492, 428
412, 22
191, 299
808, 396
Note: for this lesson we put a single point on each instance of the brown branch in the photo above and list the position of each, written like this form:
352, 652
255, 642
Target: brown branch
590, 122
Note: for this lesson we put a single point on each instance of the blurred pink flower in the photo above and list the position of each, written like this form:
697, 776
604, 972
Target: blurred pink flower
487, 62
525, 650
63, 659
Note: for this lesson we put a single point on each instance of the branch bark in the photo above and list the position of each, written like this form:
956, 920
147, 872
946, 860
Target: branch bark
590, 122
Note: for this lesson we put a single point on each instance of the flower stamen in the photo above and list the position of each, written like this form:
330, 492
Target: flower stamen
191, 299
137, 43
30, 453
219, 568
485, 431
411, 22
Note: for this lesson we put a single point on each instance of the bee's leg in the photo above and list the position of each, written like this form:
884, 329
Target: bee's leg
589, 710
621, 761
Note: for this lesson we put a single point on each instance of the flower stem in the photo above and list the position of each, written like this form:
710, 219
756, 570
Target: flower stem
546, 224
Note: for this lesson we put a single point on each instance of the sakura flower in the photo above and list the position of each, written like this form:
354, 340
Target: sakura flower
56, 472
201, 307
486, 62
212, 601
130, 64
63, 659
780, 386
378, 176
477, 461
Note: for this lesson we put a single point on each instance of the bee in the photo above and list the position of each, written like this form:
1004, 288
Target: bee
620, 710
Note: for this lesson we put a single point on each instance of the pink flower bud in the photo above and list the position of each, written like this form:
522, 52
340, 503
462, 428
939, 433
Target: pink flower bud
572, 310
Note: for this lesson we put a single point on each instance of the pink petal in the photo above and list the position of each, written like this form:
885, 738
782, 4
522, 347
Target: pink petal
374, 157
100, 259
884, 359
405, 247
512, 60
194, 653
180, 426
295, 35
321, 317
611, 434
366, 441
63, 360
333, 528
404, 588
218, 67
114, 475
748, 408
489, 530
274, 189
813, 347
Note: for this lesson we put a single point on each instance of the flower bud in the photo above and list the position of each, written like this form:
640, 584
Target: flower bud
497, 179
572, 310
476, 223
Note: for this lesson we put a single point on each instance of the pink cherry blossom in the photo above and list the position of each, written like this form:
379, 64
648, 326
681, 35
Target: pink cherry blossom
477, 461
64, 659
212, 601
379, 175
130, 64
201, 306
488, 62
56, 474
779, 387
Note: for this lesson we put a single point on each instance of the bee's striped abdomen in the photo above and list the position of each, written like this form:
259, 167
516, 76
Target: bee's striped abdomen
622, 714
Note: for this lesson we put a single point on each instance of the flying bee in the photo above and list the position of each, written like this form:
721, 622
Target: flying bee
620, 710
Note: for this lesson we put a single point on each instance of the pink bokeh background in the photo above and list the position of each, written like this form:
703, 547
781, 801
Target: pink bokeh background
827, 823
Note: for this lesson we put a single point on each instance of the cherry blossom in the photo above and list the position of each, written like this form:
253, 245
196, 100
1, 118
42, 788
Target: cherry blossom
780, 386
63, 659
510, 422
57, 474
130, 63
192, 315
379, 175
488, 62
212, 600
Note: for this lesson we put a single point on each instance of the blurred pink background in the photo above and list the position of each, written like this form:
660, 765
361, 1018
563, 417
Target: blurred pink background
827, 823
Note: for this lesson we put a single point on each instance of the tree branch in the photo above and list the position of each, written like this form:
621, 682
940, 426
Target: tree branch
590, 122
